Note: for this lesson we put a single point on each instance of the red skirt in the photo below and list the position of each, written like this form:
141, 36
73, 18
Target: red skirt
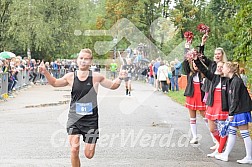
215, 112
194, 102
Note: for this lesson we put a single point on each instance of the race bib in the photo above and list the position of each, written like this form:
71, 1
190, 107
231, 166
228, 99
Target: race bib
84, 108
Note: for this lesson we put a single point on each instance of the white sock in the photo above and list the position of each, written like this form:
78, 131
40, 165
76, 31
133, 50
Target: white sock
247, 143
230, 141
193, 127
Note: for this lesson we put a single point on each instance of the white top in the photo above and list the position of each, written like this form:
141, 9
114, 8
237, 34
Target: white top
162, 73
219, 84
196, 78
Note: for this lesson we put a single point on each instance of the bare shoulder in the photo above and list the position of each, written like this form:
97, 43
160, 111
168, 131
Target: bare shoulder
68, 75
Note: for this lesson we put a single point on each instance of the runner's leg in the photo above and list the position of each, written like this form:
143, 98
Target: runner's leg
89, 150
74, 141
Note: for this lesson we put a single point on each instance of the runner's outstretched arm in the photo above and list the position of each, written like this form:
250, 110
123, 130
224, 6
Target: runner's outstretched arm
115, 83
51, 80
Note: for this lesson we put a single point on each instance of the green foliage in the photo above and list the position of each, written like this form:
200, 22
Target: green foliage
140, 12
184, 13
5, 15
44, 26
47, 26
177, 96
241, 34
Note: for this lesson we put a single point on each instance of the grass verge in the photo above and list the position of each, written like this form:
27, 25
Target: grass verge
177, 96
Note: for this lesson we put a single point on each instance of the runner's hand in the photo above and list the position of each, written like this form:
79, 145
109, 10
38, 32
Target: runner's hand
123, 73
42, 67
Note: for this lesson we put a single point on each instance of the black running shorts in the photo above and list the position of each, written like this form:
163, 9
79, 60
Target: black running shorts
90, 134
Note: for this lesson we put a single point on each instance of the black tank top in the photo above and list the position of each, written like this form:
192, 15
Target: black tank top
83, 92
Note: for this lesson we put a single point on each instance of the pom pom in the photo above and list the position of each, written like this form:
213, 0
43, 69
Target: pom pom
203, 28
189, 36
193, 53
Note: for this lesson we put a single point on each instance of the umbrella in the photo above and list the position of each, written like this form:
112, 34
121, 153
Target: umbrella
7, 55
1, 58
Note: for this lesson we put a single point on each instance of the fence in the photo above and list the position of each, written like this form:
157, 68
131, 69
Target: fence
3, 83
23, 80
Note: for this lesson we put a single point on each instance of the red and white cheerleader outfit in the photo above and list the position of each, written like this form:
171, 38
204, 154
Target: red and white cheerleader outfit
215, 112
195, 102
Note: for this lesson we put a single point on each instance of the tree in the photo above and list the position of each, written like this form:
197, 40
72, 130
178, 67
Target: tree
141, 13
46, 27
4, 23
184, 13
241, 34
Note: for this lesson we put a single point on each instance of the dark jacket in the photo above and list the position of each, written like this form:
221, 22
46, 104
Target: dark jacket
238, 99
212, 65
214, 81
189, 91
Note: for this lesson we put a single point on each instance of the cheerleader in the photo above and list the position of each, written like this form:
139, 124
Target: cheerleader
219, 56
217, 102
240, 106
194, 95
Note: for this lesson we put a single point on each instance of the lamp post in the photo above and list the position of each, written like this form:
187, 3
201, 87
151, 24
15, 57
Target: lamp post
114, 42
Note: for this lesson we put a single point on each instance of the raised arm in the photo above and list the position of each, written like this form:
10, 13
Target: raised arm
107, 83
53, 81
207, 61
185, 64
208, 74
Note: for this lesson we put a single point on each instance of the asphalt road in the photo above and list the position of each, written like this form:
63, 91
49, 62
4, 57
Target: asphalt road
146, 129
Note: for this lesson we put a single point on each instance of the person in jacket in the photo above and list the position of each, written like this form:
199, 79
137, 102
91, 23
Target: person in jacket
194, 95
162, 74
177, 73
243, 76
156, 65
240, 106
217, 102
219, 56
172, 78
